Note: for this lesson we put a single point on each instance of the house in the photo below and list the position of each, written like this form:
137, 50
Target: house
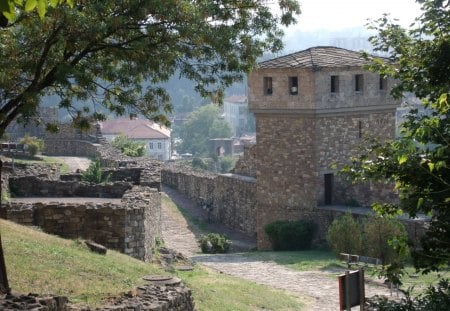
155, 136
313, 109
236, 113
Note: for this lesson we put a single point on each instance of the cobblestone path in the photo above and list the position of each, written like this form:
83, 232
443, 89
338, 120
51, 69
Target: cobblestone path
320, 288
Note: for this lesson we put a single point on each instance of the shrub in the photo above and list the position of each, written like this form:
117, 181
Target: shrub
199, 163
214, 243
94, 173
129, 147
290, 235
436, 298
33, 144
380, 237
344, 235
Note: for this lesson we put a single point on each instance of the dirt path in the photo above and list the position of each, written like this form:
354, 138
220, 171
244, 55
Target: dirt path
76, 163
320, 288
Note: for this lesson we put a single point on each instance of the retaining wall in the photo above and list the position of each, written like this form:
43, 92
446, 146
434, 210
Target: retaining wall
129, 226
230, 198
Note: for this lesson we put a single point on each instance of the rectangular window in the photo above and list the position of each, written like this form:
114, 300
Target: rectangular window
359, 129
334, 84
383, 83
268, 86
359, 82
150, 145
159, 145
293, 85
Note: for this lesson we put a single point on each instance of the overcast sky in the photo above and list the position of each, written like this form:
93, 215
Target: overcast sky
340, 14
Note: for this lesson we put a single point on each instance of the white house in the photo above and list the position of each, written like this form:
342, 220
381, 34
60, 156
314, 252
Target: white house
235, 110
155, 136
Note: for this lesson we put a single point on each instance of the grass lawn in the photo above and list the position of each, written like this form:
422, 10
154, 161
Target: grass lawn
41, 263
63, 169
214, 291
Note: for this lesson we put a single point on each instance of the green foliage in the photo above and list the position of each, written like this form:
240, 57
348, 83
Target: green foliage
418, 162
129, 147
34, 145
9, 7
436, 298
345, 235
94, 174
202, 125
199, 163
226, 163
383, 238
290, 235
5, 196
113, 59
214, 243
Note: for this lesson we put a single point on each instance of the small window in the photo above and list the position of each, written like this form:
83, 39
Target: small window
293, 85
334, 84
383, 83
359, 81
159, 145
150, 145
268, 86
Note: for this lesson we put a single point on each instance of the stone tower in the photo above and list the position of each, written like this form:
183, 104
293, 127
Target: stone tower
313, 108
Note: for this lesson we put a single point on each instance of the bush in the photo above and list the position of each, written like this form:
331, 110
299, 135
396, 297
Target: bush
380, 237
290, 235
129, 147
199, 164
436, 298
94, 173
344, 235
33, 144
214, 243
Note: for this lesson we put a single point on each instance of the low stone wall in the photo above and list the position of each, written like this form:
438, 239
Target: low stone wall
33, 186
72, 148
129, 226
230, 198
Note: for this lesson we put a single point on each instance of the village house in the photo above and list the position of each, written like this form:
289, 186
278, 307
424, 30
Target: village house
155, 136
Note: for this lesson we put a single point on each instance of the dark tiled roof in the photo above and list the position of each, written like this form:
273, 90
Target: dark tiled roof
317, 57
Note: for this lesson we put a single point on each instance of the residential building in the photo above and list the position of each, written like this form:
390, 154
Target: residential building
155, 136
236, 113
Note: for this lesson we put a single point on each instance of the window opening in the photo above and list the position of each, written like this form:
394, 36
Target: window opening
268, 86
359, 81
334, 84
293, 85
383, 83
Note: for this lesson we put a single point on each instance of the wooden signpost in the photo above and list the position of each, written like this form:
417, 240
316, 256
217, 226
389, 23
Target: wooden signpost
351, 290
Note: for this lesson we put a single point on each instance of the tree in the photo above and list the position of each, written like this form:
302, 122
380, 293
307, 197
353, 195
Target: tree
115, 54
129, 147
202, 125
419, 161
8, 8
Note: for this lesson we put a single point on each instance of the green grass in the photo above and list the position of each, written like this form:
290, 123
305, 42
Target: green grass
63, 167
214, 291
46, 264
42, 263
200, 225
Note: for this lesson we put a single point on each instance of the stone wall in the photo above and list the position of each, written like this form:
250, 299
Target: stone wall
129, 226
246, 165
229, 197
33, 186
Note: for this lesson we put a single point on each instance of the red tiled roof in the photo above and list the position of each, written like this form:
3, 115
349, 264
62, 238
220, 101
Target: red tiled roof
134, 128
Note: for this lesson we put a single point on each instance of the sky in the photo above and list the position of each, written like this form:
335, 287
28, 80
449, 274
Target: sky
340, 14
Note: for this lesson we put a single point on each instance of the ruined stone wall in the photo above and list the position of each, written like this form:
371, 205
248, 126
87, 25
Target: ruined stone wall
230, 197
32, 186
129, 226
246, 165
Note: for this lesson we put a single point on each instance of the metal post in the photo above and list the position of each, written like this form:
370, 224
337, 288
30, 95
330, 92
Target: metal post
4, 286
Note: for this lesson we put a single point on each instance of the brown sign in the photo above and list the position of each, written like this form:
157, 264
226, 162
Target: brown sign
351, 289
